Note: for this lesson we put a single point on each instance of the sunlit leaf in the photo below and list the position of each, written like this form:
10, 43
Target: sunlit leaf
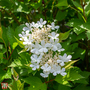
70, 63
63, 36
62, 3
20, 43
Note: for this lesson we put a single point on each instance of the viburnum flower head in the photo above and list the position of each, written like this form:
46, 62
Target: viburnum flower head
45, 48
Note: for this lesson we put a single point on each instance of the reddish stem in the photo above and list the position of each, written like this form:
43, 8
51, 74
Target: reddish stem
9, 55
50, 81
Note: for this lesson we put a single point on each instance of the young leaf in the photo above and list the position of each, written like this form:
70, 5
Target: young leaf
14, 45
69, 64
20, 43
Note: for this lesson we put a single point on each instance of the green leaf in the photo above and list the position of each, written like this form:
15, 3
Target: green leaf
60, 79
75, 22
74, 46
73, 74
63, 87
88, 34
7, 74
36, 5
82, 81
78, 30
62, 3
17, 85
14, 45
16, 63
10, 35
68, 65
61, 15
0, 32
13, 65
6, 3
35, 83
87, 6
20, 43
78, 6
15, 74
63, 36
1, 46
85, 74
85, 26
82, 87
18, 30
78, 53
4, 35
2, 74
1, 56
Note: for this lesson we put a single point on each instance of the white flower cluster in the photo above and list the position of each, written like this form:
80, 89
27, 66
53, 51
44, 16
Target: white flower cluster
43, 42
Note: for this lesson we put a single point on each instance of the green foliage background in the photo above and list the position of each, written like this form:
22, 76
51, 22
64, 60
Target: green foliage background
73, 17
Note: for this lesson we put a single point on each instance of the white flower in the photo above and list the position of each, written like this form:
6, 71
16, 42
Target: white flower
59, 47
24, 35
52, 26
55, 70
63, 59
46, 68
53, 35
34, 25
41, 23
28, 27
45, 74
62, 72
42, 43
28, 40
54, 44
44, 47
36, 48
35, 58
34, 66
